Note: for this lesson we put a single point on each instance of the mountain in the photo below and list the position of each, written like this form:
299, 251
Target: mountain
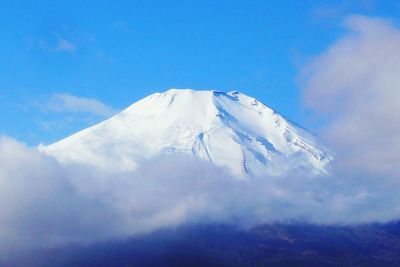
224, 245
230, 130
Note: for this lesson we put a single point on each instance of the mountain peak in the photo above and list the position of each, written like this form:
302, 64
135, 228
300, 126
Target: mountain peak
231, 130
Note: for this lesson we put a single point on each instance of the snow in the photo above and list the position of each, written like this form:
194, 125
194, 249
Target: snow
231, 130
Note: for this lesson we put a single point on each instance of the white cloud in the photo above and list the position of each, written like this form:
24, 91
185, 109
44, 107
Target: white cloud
48, 204
355, 86
64, 102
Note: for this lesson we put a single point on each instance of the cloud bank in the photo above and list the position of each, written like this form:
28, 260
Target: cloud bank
49, 204
353, 85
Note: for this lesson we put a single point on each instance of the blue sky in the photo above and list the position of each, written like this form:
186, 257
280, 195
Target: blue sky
68, 64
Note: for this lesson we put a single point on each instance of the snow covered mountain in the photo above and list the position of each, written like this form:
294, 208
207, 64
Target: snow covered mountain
231, 130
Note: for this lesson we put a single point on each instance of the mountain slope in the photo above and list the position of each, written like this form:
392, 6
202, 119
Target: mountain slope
228, 129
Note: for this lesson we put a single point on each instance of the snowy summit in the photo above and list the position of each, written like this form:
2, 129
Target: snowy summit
230, 130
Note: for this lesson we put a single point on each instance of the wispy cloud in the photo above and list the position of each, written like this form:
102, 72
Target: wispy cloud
341, 9
64, 102
65, 46
60, 112
102, 56
60, 44
122, 26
